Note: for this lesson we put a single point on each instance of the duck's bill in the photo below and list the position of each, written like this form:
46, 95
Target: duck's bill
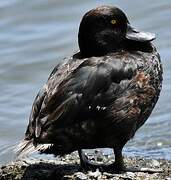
136, 35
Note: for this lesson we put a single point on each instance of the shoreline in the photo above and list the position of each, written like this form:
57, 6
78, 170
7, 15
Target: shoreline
68, 167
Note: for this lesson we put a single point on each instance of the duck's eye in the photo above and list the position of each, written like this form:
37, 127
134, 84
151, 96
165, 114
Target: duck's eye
113, 21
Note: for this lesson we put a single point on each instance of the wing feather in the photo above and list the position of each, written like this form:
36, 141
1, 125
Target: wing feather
71, 88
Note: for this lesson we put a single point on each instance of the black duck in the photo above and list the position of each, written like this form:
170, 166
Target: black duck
100, 96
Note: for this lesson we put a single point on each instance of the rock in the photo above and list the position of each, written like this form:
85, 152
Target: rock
130, 175
95, 174
80, 176
108, 175
155, 163
67, 167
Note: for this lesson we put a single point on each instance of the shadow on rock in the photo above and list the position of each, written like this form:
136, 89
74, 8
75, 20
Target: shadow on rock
49, 171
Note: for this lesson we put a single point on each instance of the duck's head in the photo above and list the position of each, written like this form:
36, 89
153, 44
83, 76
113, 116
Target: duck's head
106, 29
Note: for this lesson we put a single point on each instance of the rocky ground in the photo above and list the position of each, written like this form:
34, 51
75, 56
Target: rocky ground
68, 168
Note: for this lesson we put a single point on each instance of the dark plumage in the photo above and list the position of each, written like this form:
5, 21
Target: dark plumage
100, 96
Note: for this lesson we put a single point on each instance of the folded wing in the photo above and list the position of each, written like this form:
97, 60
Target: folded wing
71, 89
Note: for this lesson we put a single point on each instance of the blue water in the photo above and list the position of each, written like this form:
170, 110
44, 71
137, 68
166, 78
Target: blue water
36, 35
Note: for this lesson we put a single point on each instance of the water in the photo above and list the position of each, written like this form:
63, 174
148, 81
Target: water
35, 35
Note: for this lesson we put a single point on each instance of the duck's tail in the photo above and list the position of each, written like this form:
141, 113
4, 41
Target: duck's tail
25, 147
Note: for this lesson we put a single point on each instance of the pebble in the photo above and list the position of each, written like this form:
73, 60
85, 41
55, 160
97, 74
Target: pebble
130, 174
80, 176
155, 163
95, 174
109, 175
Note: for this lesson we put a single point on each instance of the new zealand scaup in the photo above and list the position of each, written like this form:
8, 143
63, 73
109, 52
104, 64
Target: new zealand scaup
100, 96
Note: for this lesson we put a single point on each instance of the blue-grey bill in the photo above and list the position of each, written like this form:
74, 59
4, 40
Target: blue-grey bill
136, 35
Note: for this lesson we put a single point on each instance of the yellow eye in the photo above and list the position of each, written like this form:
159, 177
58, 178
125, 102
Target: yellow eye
113, 21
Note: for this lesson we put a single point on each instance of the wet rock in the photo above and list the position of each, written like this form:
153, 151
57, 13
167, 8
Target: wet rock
68, 167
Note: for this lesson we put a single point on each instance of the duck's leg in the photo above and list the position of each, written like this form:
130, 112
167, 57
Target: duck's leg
118, 165
85, 163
